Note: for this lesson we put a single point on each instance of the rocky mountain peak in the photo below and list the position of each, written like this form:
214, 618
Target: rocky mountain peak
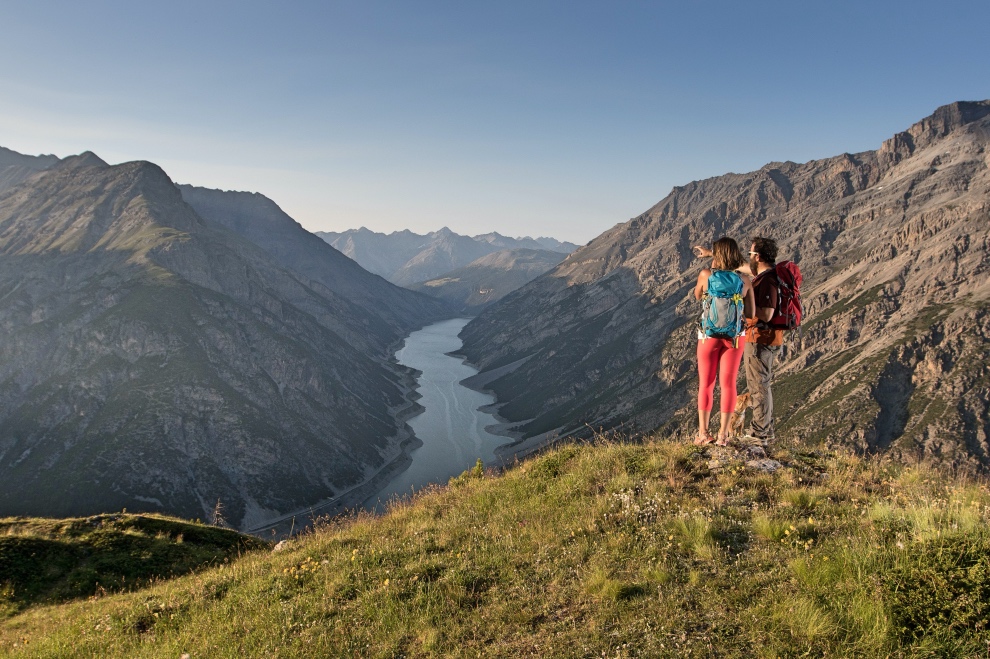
84, 159
931, 129
128, 208
948, 118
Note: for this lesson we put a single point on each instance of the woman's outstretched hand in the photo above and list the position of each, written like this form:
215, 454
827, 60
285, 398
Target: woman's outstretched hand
701, 252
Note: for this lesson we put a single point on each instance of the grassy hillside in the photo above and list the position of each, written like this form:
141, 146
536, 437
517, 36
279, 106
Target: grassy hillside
618, 550
44, 561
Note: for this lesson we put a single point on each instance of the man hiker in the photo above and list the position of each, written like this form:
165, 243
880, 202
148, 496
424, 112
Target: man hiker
762, 341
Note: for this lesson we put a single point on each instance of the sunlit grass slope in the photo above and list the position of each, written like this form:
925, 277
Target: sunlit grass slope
606, 550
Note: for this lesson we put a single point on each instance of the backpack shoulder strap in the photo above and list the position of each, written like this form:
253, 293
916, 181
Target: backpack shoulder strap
770, 273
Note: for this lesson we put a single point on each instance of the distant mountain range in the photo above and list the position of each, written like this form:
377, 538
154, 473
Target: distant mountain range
490, 278
162, 349
895, 249
406, 258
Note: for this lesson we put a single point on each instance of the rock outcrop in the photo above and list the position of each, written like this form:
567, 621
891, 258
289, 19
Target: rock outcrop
895, 249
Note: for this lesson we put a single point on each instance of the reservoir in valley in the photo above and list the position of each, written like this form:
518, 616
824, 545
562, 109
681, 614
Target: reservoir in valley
451, 427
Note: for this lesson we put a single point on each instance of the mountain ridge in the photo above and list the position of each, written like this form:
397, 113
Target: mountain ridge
261, 221
406, 258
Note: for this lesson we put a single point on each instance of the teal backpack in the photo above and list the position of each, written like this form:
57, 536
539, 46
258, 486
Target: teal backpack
722, 305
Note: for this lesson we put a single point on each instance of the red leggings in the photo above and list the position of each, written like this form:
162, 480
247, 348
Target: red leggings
718, 355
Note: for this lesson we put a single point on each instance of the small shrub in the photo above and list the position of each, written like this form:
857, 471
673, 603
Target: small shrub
552, 465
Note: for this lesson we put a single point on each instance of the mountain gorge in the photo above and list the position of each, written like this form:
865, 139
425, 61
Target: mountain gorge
157, 358
895, 249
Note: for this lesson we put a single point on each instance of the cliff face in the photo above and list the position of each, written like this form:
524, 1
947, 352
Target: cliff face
895, 248
153, 360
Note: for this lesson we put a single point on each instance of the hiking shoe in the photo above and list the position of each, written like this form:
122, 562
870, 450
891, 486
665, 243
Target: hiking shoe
753, 440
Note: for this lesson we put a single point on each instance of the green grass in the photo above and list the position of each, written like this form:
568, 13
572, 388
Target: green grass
607, 550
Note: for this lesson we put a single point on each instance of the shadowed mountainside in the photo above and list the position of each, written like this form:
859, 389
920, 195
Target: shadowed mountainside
261, 221
152, 360
895, 248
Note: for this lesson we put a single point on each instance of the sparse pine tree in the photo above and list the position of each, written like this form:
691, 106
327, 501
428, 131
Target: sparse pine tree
217, 515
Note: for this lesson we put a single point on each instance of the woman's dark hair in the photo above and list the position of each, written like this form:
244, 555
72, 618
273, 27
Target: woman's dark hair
766, 248
726, 254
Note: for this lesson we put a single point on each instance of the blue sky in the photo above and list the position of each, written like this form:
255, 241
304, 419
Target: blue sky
527, 118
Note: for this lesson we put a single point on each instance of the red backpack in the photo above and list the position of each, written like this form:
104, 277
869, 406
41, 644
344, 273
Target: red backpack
788, 314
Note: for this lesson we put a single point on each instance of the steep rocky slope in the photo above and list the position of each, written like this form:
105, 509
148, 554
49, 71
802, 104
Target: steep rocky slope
490, 278
895, 248
151, 360
406, 258
391, 311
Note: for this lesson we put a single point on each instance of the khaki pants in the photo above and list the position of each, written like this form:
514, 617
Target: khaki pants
759, 372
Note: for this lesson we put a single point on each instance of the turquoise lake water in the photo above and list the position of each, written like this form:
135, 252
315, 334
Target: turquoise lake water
452, 428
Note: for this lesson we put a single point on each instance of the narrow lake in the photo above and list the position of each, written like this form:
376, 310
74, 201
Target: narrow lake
451, 427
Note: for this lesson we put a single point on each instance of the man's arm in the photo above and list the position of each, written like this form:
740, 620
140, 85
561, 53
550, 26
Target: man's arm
766, 299
764, 313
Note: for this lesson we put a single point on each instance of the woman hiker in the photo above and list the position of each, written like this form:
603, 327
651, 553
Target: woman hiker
727, 300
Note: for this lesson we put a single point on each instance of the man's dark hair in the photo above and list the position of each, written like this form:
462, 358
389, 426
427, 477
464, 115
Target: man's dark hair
766, 248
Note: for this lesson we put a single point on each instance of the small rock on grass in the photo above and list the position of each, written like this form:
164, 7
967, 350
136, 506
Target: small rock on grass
765, 465
755, 452
720, 456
